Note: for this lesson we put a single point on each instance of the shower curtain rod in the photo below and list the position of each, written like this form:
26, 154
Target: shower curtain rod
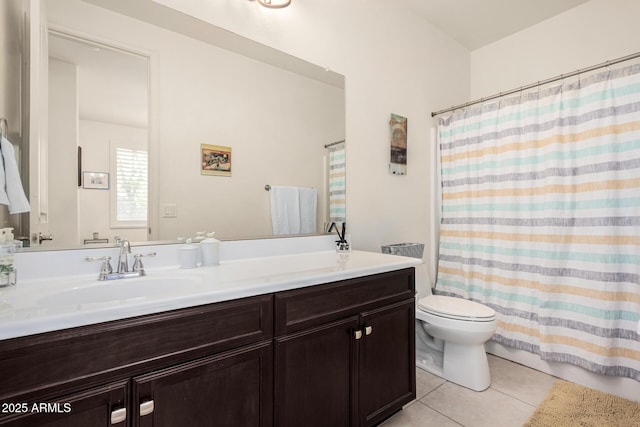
540, 83
333, 143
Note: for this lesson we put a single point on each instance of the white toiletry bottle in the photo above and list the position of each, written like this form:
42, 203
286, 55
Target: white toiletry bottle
200, 236
210, 251
188, 255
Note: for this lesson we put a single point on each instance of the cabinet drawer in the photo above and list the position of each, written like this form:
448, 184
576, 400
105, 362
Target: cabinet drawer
302, 308
95, 354
93, 407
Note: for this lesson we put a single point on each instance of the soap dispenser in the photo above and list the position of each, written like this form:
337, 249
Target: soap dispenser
210, 251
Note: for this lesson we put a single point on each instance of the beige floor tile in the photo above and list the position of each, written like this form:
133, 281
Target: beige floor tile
519, 381
418, 415
489, 408
426, 383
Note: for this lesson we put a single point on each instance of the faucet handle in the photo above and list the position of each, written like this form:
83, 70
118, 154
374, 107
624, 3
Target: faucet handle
137, 265
144, 255
106, 264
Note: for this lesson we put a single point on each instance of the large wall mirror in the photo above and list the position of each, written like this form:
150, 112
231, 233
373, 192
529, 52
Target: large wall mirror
130, 106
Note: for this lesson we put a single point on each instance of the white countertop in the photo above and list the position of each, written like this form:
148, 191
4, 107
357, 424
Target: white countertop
52, 304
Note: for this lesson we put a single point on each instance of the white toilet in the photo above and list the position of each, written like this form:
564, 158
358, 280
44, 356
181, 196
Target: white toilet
450, 337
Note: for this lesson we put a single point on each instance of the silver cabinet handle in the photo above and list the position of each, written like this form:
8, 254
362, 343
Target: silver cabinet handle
357, 334
368, 330
146, 408
118, 416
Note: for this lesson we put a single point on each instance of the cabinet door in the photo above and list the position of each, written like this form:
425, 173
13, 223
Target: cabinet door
314, 373
234, 388
98, 407
387, 373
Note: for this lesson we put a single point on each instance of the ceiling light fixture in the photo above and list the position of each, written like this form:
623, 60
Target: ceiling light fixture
275, 4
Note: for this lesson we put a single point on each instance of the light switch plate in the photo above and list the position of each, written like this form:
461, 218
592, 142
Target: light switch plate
169, 210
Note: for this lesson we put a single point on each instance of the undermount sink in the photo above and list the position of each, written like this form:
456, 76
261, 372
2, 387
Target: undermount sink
123, 289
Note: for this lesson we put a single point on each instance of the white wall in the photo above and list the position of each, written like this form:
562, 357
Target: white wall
275, 122
589, 34
207, 95
94, 205
63, 142
394, 62
594, 32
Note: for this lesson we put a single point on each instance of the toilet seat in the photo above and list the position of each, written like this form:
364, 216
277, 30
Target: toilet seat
456, 308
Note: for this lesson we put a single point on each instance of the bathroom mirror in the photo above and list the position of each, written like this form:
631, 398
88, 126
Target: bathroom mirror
274, 113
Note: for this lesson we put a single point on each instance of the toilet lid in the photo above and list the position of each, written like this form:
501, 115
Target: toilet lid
456, 308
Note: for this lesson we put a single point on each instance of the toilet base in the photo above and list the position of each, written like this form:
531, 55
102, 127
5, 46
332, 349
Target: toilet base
429, 366
466, 365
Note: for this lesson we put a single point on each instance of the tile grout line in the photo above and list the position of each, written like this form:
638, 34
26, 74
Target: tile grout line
444, 415
513, 397
434, 409
457, 422
427, 394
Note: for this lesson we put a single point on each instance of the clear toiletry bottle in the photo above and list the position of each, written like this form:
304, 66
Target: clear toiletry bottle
7, 249
210, 251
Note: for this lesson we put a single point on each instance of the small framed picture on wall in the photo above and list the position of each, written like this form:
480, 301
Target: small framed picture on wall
95, 180
215, 160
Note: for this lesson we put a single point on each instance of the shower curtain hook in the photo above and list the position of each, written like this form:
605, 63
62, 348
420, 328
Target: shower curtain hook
578, 71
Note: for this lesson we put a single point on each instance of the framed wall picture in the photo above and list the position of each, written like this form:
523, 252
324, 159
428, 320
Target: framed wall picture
215, 160
398, 162
95, 180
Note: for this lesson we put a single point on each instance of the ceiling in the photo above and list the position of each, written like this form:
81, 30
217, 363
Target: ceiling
477, 23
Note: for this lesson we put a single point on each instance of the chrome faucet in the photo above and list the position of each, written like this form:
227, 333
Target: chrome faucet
106, 272
123, 259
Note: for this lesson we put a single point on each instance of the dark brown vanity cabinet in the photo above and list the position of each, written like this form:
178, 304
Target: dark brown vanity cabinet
386, 379
204, 365
337, 354
93, 407
344, 352
230, 389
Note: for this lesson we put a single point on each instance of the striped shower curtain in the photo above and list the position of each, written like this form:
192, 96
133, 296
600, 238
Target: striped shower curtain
541, 219
337, 183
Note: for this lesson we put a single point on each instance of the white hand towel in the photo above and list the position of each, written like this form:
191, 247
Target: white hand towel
12, 185
4, 199
308, 204
285, 210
